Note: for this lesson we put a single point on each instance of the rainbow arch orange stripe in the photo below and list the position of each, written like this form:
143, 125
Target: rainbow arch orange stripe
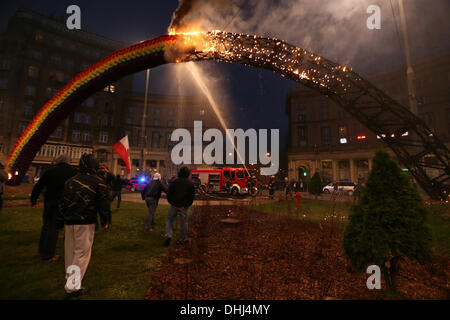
147, 54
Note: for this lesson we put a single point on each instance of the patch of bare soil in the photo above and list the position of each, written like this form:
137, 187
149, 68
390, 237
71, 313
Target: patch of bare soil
266, 256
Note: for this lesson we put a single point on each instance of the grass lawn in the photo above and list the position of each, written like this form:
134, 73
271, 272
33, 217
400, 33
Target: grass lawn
120, 266
439, 218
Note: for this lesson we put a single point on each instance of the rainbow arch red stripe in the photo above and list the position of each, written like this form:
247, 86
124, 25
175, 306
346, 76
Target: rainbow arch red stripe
147, 54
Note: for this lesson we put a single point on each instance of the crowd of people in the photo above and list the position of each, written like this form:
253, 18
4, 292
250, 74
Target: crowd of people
80, 200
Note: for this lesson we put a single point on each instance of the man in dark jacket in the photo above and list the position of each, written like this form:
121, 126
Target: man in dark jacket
85, 195
151, 194
180, 196
53, 182
117, 190
108, 179
3, 179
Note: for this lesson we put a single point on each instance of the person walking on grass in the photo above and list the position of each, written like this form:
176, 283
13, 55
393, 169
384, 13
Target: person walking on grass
84, 195
3, 179
151, 194
180, 196
117, 185
53, 182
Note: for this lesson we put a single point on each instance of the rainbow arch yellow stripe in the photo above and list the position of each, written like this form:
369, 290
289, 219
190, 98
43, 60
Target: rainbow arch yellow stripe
23, 152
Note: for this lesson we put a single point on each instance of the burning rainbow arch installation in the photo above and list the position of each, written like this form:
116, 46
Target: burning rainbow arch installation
405, 133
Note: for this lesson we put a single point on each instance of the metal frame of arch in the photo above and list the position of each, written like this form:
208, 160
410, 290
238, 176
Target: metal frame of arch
380, 113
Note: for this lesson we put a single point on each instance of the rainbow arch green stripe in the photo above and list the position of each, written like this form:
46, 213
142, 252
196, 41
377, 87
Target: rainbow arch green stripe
140, 56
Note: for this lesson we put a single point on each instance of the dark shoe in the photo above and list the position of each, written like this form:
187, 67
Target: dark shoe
54, 258
167, 242
75, 294
182, 243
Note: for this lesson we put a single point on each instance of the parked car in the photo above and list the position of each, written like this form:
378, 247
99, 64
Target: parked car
136, 184
345, 187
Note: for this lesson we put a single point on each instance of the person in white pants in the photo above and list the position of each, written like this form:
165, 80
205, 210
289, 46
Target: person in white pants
84, 196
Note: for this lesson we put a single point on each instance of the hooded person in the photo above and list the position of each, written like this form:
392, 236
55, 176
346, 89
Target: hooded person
117, 185
151, 194
180, 195
85, 195
52, 181
3, 179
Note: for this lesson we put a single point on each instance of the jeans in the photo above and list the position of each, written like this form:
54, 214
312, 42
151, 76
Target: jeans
152, 204
171, 216
49, 233
117, 194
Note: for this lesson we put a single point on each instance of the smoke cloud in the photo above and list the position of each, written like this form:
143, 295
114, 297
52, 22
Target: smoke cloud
335, 29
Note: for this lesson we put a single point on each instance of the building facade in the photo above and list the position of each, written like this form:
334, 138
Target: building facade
39, 55
324, 138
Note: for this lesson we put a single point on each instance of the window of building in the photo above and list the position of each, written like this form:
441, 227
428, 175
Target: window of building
324, 104
30, 91
170, 123
58, 42
342, 134
155, 139
27, 109
301, 107
33, 72
56, 59
5, 64
130, 109
78, 117
326, 135
36, 54
49, 92
68, 63
86, 136
129, 121
302, 117
88, 119
152, 163
302, 134
103, 137
38, 36
111, 88
90, 102
105, 120
57, 133
429, 119
22, 127
3, 83
156, 123
59, 76
76, 135
170, 112
324, 116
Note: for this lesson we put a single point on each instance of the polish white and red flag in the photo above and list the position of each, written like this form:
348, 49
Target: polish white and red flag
123, 150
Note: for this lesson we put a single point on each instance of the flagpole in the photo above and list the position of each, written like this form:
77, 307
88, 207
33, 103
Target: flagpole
144, 119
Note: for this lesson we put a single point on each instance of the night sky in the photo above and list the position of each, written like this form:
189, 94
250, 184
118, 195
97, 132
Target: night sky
334, 29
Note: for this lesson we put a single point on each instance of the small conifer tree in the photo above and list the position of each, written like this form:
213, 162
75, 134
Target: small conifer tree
388, 222
315, 185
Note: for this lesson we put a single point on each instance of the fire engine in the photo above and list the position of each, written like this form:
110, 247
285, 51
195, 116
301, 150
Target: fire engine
233, 180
